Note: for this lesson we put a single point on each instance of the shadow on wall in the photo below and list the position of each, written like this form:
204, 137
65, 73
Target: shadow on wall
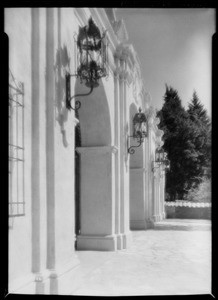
94, 115
62, 65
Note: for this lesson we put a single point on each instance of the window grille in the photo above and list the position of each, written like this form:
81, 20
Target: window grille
16, 147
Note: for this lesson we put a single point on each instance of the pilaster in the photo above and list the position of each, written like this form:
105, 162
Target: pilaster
117, 155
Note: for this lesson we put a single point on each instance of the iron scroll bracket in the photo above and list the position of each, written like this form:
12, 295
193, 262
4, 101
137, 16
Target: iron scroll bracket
130, 149
69, 98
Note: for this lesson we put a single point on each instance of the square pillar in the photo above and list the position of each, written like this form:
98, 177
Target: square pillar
97, 202
137, 198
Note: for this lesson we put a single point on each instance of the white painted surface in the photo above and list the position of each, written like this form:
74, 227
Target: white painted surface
174, 261
104, 121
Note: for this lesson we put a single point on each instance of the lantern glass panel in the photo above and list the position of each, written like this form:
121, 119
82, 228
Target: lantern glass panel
157, 158
161, 155
137, 130
167, 164
165, 155
139, 125
144, 129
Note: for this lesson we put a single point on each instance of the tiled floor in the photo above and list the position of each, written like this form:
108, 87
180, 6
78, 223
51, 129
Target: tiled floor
173, 258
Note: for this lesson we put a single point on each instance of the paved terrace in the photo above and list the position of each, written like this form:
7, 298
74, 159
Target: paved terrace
173, 258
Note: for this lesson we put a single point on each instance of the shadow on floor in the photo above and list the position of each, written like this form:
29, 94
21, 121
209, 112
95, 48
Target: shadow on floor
183, 224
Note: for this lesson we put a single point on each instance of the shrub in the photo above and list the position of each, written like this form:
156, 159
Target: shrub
202, 193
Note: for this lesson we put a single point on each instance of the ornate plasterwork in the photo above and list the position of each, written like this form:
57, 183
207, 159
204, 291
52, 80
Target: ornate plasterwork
117, 25
120, 30
159, 142
151, 115
159, 133
126, 53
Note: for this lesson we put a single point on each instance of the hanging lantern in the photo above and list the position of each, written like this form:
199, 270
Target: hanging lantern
159, 155
92, 54
166, 161
167, 164
140, 129
92, 60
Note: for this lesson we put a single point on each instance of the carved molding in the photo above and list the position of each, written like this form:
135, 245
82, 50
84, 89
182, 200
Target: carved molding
120, 30
159, 133
157, 121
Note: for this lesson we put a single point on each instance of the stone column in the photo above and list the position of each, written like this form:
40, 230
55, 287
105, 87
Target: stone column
117, 154
146, 182
150, 177
163, 194
127, 234
97, 199
159, 196
155, 197
35, 154
137, 196
121, 156
50, 159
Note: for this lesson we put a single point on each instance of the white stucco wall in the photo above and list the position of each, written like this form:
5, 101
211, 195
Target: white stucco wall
18, 28
64, 26
18, 20
103, 167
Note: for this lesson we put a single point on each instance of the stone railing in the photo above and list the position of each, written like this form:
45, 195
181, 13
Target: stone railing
183, 203
181, 209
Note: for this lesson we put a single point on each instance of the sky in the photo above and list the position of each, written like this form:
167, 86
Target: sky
174, 47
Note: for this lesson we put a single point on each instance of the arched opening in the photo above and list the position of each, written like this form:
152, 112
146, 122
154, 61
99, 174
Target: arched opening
96, 200
94, 116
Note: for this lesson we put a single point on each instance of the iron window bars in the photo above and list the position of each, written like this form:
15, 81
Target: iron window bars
16, 147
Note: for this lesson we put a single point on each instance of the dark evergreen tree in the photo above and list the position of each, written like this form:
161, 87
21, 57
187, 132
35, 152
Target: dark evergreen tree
174, 122
201, 140
187, 142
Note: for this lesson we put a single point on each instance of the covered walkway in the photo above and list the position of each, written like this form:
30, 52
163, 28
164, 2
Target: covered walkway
173, 258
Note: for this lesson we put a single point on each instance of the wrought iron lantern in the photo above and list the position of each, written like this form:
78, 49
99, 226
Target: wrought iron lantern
159, 155
92, 59
140, 129
166, 161
159, 158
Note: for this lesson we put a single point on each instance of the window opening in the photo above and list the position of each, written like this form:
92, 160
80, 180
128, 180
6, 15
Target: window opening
16, 147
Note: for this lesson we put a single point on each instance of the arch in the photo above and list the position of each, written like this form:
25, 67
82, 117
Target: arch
96, 171
94, 116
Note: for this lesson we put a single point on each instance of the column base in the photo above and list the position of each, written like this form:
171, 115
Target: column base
97, 243
58, 281
63, 276
119, 242
127, 239
157, 218
138, 225
150, 223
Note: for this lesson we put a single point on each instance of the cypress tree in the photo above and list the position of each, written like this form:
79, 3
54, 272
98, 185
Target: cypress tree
201, 140
174, 123
187, 140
